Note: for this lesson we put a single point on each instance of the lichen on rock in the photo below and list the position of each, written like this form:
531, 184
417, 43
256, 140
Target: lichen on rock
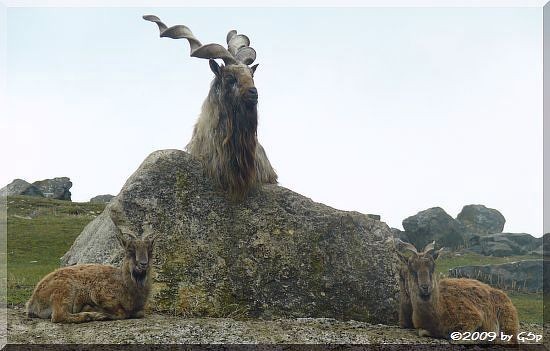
274, 254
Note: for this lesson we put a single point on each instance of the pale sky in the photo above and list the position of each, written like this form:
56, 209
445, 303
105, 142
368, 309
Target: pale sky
379, 110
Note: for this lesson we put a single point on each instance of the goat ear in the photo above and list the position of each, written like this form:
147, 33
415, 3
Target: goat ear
253, 68
215, 67
435, 254
149, 233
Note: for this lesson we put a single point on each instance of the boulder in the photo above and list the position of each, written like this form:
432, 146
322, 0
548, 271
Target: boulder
479, 219
275, 254
102, 199
520, 276
504, 244
20, 187
434, 224
56, 188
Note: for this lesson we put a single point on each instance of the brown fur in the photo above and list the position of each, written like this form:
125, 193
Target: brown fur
225, 138
92, 292
405, 305
448, 305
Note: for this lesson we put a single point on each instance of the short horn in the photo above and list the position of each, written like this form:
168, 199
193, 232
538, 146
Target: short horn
429, 247
148, 231
130, 234
147, 228
401, 245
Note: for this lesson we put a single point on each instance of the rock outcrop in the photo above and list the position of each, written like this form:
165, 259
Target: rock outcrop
102, 199
478, 219
276, 254
434, 224
56, 188
505, 244
476, 229
20, 187
520, 276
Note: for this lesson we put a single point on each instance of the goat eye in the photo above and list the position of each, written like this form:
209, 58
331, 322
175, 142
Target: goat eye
230, 80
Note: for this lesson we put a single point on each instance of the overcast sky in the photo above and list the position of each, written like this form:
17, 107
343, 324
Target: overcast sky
380, 110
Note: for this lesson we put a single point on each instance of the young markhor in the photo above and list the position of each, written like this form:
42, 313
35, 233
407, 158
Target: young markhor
93, 292
439, 307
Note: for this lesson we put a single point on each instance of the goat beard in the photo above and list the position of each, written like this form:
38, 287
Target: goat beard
239, 126
139, 276
425, 297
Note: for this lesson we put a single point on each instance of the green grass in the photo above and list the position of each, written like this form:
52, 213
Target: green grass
40, 231
529, 305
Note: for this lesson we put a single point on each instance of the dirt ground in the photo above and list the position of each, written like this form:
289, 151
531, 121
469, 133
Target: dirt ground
163, 329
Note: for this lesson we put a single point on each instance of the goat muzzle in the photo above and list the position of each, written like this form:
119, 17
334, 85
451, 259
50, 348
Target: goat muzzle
425, 292
251, 96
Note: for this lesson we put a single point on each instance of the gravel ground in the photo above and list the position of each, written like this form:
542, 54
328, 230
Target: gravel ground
163, 329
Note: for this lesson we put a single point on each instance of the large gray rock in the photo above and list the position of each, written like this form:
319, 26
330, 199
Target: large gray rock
504, 244
276, 254
102, 199
434, 224
521, 276
479, 219
56, 188
20, 187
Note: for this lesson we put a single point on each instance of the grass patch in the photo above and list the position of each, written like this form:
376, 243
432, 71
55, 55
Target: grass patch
529, 306
40, 231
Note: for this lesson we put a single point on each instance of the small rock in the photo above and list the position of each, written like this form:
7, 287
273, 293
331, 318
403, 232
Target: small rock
102, 199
